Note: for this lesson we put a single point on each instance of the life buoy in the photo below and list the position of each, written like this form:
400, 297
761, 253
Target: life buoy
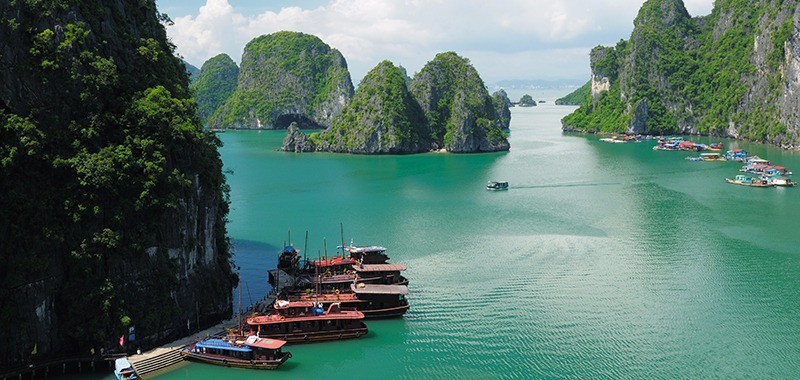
251, 361
290, 355
336, 292
305, 338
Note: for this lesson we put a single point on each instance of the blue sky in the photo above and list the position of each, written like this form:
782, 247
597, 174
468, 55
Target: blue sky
507, 39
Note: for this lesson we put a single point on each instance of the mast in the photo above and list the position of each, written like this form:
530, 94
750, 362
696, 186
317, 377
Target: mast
341, 230
239, 323
305, 248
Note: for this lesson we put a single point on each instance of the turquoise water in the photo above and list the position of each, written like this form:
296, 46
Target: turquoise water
601, 261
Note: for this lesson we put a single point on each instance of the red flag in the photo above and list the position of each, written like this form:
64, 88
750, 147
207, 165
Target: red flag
122, 340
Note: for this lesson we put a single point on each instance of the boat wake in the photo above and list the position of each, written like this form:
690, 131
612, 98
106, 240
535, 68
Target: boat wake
569, 184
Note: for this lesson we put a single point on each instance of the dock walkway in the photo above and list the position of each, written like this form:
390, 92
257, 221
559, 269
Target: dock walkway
169, 354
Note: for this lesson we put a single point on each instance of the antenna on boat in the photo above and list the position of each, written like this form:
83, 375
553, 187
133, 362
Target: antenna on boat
290, 236
325, 246
341, 230
305, 248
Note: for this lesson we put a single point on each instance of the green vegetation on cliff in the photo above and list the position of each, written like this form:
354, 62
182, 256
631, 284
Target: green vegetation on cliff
576, 98
284, 77
214, 84
460, 113
109, 184
721, 74
382, 117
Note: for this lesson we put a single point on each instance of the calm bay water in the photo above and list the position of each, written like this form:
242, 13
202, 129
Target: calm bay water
601, 261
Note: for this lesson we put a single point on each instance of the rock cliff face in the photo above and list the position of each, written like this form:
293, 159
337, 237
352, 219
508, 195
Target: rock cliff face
214, 84
731, 73
287, 77
113, 207
460, 113
501, 108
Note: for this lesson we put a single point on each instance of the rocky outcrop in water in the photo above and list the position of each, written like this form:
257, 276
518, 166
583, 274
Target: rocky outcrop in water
287, 77
459, 111
501, 107
733, 73
384, 117
381, 118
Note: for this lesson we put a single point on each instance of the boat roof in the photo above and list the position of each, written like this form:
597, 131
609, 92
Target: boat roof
270, 344
365, 249
222, 344
121, 364
275, 319
362, 288
710, 154
497, 181
283, 304
379, 267
336, 260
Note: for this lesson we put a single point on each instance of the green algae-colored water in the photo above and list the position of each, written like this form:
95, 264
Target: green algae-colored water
600, 261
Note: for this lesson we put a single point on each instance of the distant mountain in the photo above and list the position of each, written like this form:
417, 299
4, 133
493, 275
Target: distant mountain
286, 77
735, 73
537, 84
192, 70
214, 84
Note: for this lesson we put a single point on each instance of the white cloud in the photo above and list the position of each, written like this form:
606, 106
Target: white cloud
503, 39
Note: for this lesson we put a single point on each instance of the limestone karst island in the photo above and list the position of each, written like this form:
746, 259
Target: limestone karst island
216, 189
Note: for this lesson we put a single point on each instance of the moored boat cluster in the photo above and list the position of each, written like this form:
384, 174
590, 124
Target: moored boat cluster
756, 171
312, 300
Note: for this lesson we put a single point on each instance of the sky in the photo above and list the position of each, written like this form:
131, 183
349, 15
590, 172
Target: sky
503, 39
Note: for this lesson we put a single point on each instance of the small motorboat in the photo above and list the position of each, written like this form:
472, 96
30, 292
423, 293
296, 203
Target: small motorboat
123, 370
497, 185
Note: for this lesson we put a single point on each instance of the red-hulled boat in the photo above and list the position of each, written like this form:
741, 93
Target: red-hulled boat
303, 321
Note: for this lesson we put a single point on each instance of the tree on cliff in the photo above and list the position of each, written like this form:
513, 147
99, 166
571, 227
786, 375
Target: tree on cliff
114, 204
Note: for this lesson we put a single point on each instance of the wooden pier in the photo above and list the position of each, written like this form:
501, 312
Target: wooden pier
146, 363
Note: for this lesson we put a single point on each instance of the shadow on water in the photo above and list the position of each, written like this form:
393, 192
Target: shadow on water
253, 258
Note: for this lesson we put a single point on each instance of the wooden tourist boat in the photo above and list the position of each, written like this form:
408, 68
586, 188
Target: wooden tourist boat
374, 300
386, 274
381, 301
303, 321
744, 180
250, 352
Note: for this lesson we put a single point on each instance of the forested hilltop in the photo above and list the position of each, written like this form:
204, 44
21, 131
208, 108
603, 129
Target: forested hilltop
284, 77
114, 203
734, 73
446, 106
